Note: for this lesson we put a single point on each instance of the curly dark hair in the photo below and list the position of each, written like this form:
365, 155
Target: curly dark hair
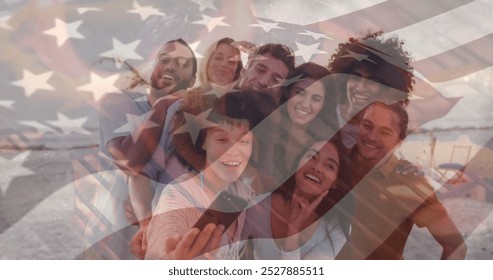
385, 58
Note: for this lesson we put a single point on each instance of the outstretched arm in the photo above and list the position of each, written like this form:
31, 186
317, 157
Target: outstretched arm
132, 152
448, 236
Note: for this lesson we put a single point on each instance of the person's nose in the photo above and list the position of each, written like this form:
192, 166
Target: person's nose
233, 149
318, 167
172, 64
372, 135
264, 80
305, 102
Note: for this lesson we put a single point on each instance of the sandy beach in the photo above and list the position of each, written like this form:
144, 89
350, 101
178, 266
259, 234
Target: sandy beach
39, 217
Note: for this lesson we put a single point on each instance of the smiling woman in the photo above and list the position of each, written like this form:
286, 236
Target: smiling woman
221, 65
301, 219
308, 112
218, 156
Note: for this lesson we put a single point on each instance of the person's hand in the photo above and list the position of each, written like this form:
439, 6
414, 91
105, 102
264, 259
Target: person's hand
301, 209
130, 212
405, 167
138, 244
193, 243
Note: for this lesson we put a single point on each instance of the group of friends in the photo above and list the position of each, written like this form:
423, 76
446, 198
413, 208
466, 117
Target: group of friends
309, 147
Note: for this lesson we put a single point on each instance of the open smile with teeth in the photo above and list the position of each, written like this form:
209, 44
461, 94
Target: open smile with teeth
360, 96
167, 77
312, 178
301, 112
369, 146
231, 163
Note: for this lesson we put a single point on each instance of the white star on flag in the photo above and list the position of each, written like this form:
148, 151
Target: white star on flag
40, 128
32, 82
194, 47
145, 11
63, 31
211, 22
68, 125
13, 170
7, 103
315, 35
194, 123
204, 4
266, 26
84, 10
287, 82
99, 86
307, 51
4, 22
357, 56
123, 51
135, 124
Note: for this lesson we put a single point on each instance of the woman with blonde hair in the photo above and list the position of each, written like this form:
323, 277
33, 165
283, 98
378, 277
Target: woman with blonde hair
221, 66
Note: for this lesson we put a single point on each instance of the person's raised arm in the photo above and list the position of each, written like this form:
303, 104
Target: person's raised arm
133, 151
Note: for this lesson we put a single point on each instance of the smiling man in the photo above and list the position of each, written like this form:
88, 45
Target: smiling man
388, 205
370, 68
268, 65
131, 124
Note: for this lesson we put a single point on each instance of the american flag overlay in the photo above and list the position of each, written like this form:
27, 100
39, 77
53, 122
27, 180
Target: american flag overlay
58, 58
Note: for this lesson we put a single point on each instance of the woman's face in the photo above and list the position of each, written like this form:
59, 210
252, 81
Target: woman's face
222, 64
228, 149
306, 99
318, 168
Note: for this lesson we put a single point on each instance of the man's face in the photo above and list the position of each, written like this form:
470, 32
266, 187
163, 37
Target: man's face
378, 134
264, 73
173, 69
362, 89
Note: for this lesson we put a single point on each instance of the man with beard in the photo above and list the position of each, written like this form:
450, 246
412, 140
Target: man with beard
387, 205
131, 124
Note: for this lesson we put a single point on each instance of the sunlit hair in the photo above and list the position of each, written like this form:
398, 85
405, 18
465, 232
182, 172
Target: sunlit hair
386, 59
277, 51
203, 74
238, 108
399, 108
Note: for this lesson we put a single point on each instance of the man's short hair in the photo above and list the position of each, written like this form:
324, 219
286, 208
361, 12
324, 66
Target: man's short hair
278, 51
